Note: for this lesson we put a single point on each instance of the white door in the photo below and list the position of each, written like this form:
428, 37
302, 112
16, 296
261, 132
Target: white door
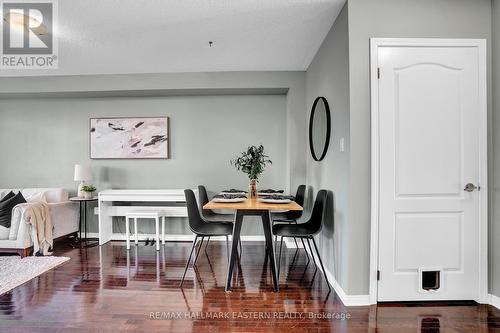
431, 104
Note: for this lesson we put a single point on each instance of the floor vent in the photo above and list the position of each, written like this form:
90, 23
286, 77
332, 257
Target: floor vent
430, 325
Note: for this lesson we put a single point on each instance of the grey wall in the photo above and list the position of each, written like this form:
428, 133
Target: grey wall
340, 71
328, 76
184, 84
494, 255
205, 133
391, 18
44, 137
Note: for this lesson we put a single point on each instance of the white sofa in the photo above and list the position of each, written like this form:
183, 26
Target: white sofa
64, 214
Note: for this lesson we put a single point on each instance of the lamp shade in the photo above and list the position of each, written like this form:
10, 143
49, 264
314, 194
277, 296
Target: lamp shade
82, 173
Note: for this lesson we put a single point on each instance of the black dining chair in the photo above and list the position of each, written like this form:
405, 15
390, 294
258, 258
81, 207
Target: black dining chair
292, 216
202, 229
209, 215
306, 230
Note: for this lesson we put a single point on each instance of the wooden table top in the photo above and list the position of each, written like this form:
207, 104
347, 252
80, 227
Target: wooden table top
252, 204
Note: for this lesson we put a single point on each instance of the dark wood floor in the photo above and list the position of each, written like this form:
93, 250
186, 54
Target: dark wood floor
103, 289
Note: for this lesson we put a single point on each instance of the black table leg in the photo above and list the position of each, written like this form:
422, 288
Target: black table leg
85, 227
266, 224
82, 222
234, 248
85, 219
78, 238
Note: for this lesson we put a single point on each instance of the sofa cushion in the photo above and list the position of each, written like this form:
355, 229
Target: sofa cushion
65, 218
7, 196
15, 220
37, 197
4, 233
56, 195
6, 209
5, 191
52, 195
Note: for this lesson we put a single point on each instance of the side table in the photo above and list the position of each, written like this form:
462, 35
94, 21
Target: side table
83, 219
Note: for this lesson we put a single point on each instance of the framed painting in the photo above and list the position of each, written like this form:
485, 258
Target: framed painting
129, 138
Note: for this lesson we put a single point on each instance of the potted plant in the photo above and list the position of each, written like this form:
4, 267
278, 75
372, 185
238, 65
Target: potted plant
88, 190
252, 162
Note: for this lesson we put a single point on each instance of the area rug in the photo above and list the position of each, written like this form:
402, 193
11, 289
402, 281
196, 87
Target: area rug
15, 271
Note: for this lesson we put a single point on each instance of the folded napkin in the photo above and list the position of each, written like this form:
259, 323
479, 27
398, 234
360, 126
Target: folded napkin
233, 191
280, 197
229, 196
271, 191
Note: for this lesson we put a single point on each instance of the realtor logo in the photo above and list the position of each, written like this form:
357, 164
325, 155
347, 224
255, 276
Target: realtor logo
28, 40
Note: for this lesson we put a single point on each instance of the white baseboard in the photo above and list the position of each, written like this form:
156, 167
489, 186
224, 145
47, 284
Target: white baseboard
256, 238
494, 301
348, 300
176, 238
290, 243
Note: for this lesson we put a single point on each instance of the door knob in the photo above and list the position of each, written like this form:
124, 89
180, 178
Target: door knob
470, 187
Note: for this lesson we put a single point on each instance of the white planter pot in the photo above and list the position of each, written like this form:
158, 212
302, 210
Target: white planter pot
87, 195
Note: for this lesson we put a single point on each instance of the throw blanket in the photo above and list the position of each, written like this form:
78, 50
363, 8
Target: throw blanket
38, 215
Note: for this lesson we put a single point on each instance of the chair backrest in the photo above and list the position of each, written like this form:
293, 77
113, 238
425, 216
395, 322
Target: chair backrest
318, 212
203, 197
299, 199
194, 217
300, 195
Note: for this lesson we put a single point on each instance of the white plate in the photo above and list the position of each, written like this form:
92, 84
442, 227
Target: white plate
236, 193
229, 200
265, 194
277, 201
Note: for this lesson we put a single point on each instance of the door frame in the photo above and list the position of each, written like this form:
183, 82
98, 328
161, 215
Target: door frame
480, 44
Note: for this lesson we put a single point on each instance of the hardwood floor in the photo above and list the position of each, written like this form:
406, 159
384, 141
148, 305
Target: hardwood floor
106, 289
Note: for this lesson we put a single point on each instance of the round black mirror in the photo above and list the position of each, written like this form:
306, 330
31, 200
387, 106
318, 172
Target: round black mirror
319, 128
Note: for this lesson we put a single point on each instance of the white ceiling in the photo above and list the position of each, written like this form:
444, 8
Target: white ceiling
158, 36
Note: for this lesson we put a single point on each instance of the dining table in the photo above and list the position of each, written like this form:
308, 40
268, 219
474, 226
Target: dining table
252, 207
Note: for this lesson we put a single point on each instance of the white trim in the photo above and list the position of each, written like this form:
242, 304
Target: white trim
175, 238
483, 176
375, 43
290, 243
188, 238
350, 300
255, 238
373, 287
347, 300
494, 301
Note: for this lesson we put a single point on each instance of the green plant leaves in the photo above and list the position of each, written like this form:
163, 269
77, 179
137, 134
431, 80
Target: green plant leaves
88, 188
252, 162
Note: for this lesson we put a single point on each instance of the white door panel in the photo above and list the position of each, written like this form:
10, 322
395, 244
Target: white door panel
429, 150
421, 171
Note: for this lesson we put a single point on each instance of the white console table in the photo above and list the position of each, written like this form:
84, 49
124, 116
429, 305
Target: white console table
109, 207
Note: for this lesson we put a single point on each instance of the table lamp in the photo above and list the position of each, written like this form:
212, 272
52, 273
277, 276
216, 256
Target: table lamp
82, 174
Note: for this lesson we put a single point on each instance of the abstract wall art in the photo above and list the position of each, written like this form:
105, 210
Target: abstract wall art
129, 138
